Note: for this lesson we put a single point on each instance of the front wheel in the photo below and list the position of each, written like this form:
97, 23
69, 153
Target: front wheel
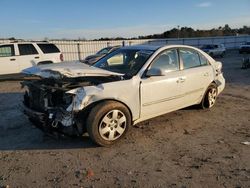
210, 97
108, 122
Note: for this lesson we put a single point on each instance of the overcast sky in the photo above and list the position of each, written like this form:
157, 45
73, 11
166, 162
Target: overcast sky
37, 19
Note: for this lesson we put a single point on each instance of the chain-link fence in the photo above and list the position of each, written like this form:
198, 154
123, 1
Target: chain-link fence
78, 50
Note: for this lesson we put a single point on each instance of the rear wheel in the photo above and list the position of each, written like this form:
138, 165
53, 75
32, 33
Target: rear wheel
108, 122
210, 97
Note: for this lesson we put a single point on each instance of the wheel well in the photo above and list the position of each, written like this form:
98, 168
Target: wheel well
214, 82
44, 62
85, 112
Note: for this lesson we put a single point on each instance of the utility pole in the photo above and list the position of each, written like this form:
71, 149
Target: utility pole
178, 31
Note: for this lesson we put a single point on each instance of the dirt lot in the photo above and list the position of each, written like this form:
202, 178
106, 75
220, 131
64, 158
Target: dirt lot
187, 148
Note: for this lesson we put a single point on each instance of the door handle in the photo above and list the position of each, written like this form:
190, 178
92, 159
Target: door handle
13, 59
36, 57
206, 74
181, 80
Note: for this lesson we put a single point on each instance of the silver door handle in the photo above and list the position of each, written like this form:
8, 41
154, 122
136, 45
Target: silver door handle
181, 80
206, 74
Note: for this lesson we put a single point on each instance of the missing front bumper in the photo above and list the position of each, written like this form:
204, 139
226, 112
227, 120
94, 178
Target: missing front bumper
46, 123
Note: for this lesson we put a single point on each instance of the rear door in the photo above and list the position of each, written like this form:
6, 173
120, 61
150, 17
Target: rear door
8, 62
49, 52
28, 56
197, 75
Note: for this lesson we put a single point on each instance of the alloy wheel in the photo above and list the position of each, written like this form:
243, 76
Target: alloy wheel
112, 125
212, 95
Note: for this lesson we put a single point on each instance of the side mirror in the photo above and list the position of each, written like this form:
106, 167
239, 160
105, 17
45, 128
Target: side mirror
155, 72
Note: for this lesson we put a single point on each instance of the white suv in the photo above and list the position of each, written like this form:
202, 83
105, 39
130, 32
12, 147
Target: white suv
16, 56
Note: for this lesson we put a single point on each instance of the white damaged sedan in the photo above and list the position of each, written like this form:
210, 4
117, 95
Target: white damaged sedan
130, 85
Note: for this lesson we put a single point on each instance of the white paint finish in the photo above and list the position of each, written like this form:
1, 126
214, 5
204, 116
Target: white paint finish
9, 64
160, 94
125, 91
195, 84
68, 69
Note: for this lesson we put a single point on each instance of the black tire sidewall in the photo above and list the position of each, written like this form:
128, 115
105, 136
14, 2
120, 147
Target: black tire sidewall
96, 115
205, 101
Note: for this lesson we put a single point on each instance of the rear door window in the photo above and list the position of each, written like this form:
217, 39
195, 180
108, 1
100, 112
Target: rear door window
7, 51
27, 49
190, 58
48, 48
203, 60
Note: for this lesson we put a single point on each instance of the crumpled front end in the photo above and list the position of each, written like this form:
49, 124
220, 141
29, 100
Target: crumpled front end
58, 105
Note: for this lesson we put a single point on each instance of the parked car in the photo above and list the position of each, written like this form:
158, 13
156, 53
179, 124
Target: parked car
14, 57
244, 48
129, 85
214, 49
94, 58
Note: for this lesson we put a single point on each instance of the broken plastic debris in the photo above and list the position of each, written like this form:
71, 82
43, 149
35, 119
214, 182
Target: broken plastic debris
90, 173
246, 143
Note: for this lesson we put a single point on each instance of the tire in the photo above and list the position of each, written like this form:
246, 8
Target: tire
210, 97
103, 124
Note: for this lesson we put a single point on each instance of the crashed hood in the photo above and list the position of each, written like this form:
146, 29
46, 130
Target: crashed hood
67, 69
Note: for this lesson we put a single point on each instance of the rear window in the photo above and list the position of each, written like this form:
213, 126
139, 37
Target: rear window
48, 48
27, 49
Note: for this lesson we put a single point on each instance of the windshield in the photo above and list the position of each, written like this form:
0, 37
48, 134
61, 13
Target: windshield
104, 51
125, 61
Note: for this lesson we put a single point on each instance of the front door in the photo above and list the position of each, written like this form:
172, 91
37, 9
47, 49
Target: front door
8, 61
28, 56
162, 94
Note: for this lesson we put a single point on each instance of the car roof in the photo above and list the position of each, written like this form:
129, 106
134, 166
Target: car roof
142, 47
25, 42
155, 48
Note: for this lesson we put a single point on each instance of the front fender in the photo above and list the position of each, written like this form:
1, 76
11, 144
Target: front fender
125, 92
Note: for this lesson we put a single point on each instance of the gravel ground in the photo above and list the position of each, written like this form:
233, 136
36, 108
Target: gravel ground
186, 148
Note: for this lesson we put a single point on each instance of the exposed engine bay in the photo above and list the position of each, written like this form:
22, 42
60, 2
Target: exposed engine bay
51, 103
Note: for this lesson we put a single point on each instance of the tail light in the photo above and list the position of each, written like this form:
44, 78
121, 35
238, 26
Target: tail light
218, 68
61, 57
